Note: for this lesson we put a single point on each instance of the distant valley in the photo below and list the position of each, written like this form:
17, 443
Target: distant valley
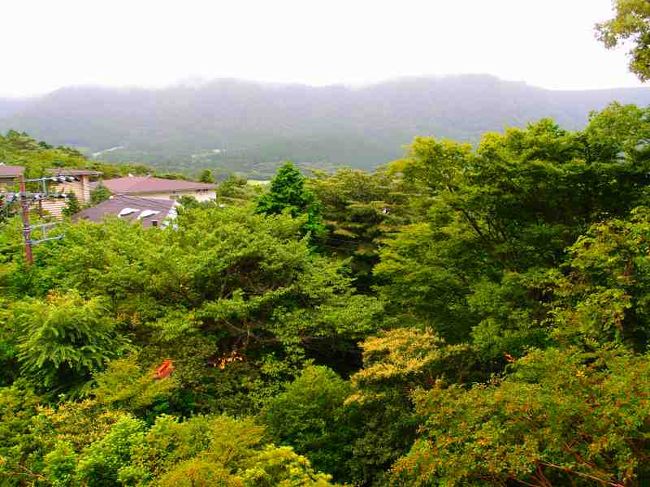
247, 127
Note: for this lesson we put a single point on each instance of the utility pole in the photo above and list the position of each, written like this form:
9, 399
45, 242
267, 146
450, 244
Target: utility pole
25, 199
27, 229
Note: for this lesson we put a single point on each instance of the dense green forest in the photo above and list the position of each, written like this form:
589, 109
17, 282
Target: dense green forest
37, 157
19, 149
462, 316
250, 128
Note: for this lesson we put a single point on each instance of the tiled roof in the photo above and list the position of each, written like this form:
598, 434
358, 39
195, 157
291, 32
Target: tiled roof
73, 172
149, 184
11, 171
121, 206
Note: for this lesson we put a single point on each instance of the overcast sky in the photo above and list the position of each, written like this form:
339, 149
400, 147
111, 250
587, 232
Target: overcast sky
47, 44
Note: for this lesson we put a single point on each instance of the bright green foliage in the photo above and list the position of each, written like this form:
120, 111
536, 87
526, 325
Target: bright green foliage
514, 312
126, 386
9, 369
237, 189
17, 148
287, 193
271, 467
100, 462
123, 450
78, 423
170, 442
630, 24
60, 464
394, 364
617, 133
221, 448
187, 202
561, 417
18, 405
90, 450
426, 272
606, 295
474, 316
197, 473
310, 416
99, 194
64, 338
283, 468
229, 294
437, 165
40, 442
72, 205
484, 265
206, 176
358, 210
506, 213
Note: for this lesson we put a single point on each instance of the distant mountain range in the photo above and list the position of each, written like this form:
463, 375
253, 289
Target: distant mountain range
234, 125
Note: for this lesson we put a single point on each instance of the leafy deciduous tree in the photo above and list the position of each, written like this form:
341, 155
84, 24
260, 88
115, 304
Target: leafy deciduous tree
631, 23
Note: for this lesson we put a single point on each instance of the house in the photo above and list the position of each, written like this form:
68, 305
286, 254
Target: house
56, 181
159, 188
9, 175
80, 185
8, 182
76, 181
149, 212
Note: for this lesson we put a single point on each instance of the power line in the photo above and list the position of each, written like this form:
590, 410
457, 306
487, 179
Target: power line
26, 198
27, 229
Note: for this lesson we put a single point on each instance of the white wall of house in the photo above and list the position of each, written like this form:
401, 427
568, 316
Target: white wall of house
52, 206
81, 189
8, 184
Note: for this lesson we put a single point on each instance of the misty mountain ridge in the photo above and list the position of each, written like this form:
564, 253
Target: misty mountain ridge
244, 126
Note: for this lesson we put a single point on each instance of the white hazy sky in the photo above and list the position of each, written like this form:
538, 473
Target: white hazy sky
47, 44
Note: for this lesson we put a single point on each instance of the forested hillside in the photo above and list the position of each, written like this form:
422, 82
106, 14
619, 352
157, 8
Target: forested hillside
238, 126
464, 316
19, 149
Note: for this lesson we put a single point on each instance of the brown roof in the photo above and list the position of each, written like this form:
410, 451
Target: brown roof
150, 184
11, 171
122, 204
73, 172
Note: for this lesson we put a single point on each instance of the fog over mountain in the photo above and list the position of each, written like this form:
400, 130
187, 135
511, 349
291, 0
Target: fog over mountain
244, 126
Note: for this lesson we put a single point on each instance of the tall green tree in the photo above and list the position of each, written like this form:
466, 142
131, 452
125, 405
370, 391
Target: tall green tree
287, 193
359, 209
631, 23
499, 216
206, 176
